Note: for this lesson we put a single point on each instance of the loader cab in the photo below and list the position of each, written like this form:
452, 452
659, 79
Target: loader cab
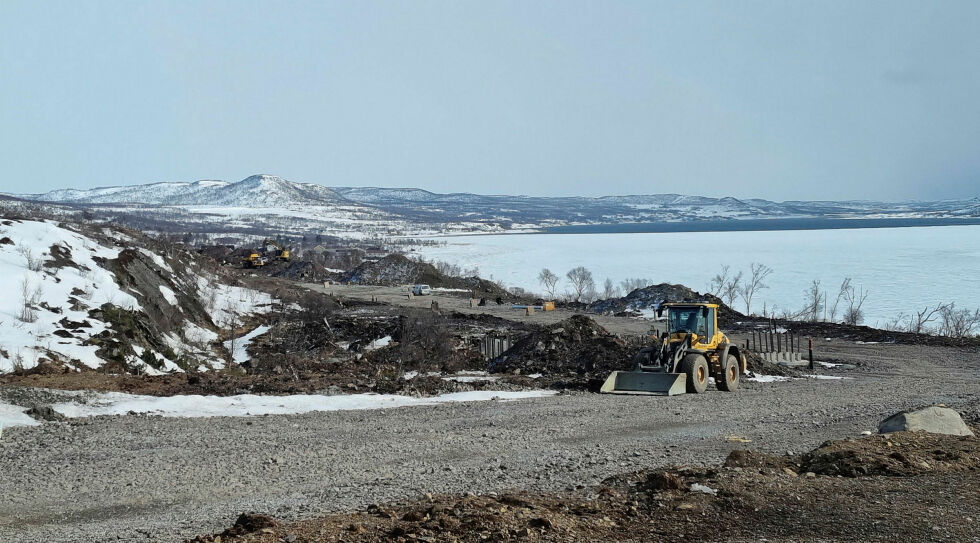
700, 319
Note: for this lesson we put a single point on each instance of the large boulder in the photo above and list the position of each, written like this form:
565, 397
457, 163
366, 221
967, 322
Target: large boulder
935, 420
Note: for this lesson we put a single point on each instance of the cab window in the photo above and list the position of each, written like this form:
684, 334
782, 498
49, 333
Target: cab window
687, 319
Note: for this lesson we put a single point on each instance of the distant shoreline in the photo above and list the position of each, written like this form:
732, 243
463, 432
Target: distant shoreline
750, 225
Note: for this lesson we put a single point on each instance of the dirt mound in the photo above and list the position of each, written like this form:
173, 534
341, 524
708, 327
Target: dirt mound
754, 497
649, 298
577, 345
394, 270
901, 453
304, 270
853, 332
761, 366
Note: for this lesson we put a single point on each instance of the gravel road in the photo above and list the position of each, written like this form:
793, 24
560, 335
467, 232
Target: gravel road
140, 478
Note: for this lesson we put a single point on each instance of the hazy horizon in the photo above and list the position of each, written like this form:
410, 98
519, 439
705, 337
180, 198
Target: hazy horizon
780, 101
738, 197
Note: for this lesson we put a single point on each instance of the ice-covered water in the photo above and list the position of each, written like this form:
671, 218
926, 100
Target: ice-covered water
901, 268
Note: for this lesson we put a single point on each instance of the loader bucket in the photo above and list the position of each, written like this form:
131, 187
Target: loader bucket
642, 382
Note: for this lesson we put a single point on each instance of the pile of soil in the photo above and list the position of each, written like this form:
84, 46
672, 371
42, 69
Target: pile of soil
649, 298
758, 365
576, 346
304, 270
900, 454
394, 270
753, 497
852, 332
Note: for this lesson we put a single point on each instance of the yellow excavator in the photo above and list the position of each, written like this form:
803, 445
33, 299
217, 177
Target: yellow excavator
280, 252
258, 258
690, 351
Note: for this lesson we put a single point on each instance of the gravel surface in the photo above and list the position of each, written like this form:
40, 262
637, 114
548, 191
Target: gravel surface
140, 478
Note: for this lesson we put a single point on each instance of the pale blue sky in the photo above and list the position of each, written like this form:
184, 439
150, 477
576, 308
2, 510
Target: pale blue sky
781, 100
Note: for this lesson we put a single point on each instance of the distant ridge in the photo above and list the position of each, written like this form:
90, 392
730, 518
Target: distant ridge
270, 191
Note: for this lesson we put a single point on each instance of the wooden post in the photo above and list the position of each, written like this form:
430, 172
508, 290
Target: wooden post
811, 353
779, 342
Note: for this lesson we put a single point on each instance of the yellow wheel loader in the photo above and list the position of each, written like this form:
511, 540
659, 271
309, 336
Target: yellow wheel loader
691, 350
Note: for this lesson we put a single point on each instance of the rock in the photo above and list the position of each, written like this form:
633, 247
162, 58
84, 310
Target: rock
665, 480
935, 420
45, 412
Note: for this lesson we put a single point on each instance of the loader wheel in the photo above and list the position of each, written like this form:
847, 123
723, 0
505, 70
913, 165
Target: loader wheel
696, 368
731, 374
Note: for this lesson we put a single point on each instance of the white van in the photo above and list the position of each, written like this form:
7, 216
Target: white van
421, 290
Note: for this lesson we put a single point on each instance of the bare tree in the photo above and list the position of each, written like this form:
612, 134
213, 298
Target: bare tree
855, 299
958, 323
717, 282
609, 290
548, 280
755, 283
731, 288
917, 323
845, 285
815, 299
633, 283
581, 282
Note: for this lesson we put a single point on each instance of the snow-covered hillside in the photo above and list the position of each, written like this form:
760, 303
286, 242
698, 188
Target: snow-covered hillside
257, 190
263, 205
86, 299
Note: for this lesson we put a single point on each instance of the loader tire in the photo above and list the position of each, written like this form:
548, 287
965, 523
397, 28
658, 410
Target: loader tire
696, 368
731, 374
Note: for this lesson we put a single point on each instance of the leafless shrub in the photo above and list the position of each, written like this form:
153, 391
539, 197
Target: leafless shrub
958, 322
18, 362
425, 338
548, 280
209, 297
582, 284
29, 296
855, 298
34, 263
445, 268
917, 323
756, 282
633, 283
609, 290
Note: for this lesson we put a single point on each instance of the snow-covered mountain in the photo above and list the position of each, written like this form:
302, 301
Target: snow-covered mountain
264, 204
257, 190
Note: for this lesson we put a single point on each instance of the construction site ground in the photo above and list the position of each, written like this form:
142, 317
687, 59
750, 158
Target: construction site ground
460, 302
146, 478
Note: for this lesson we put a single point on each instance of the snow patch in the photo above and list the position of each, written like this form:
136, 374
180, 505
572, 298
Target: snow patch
169, 295
157, 259
378, 343
14, 415
240, 353
117, 403
759, 378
